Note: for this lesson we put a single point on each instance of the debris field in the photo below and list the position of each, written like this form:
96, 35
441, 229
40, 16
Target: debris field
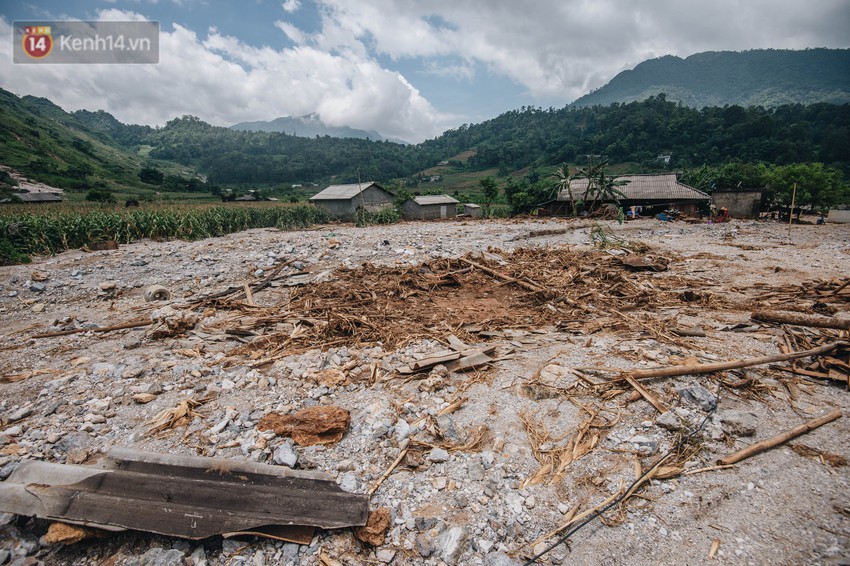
468, 392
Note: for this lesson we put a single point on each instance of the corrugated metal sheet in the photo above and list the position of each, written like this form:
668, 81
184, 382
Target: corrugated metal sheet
182, 496
663, 187
434, 199
343, 192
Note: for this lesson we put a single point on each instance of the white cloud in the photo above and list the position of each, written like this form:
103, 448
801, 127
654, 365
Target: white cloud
561, 48
293, 33
556, 50
223, 81
291, 6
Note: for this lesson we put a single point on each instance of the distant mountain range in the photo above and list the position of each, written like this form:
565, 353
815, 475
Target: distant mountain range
309, 126
762, 77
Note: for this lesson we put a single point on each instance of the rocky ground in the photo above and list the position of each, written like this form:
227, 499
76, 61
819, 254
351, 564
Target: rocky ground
496, 457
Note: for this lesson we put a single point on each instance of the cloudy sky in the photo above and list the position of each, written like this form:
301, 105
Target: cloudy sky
406, 68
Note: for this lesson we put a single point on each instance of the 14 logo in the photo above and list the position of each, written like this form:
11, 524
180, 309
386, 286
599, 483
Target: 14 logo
37, 41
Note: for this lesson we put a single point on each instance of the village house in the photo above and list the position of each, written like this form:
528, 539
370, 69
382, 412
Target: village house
430, 207
653, 193
342, 201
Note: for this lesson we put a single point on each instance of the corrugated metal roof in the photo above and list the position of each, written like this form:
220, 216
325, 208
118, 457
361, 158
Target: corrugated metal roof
434, 199
662, 187
344, 192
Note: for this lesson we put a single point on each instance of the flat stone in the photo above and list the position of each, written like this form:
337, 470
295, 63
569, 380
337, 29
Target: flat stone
438, 455
669, 421
199, 557
738, 423
698, 395
424, 544
157, 557
500, 559
452, 543
349, 482
285, 456
385, 555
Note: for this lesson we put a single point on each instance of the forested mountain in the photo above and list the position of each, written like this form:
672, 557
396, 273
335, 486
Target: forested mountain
46, 143
641, 131
308, 126
761, 77
230, 156
42, 140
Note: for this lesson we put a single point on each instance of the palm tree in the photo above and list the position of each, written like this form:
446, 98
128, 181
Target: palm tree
605, 189
563, 178
600, 187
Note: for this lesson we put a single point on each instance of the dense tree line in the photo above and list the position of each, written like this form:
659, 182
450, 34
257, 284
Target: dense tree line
641, 131
636, 132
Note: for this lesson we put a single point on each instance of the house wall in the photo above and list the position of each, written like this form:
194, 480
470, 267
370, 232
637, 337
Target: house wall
839, 216
346, 209
474, 212
740, 204
413, 211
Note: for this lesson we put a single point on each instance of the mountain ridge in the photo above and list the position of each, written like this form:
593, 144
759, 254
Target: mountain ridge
758, 77
307, 126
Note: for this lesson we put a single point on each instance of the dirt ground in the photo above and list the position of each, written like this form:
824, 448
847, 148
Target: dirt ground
498, 456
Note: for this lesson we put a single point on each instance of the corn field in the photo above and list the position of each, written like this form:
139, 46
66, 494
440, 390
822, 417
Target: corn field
26, 233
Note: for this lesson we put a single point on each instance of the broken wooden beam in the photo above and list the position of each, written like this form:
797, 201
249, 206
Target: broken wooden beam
123, 326
493, 273
764, 445
182, 496
799, 319
434, 359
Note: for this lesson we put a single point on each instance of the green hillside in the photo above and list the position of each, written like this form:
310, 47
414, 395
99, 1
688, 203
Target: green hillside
762, 77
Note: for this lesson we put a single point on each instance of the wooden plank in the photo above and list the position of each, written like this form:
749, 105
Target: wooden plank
434, 359
473, 361
456, 343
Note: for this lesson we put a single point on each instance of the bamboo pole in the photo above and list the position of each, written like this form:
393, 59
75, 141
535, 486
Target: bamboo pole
800, 319
764, 445
722, 366
791, 214
123, 326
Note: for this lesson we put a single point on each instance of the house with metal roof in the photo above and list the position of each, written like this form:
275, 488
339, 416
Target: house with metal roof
430, 207
342, 201
661, 191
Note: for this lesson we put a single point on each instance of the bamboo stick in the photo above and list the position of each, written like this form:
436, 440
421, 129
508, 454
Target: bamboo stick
764, 445
134, 324
392, 467
722, 366
646, 394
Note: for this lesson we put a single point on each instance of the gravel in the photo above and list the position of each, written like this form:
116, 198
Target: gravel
85, 393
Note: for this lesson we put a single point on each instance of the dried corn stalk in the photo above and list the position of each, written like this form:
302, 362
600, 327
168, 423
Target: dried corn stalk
181, 415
